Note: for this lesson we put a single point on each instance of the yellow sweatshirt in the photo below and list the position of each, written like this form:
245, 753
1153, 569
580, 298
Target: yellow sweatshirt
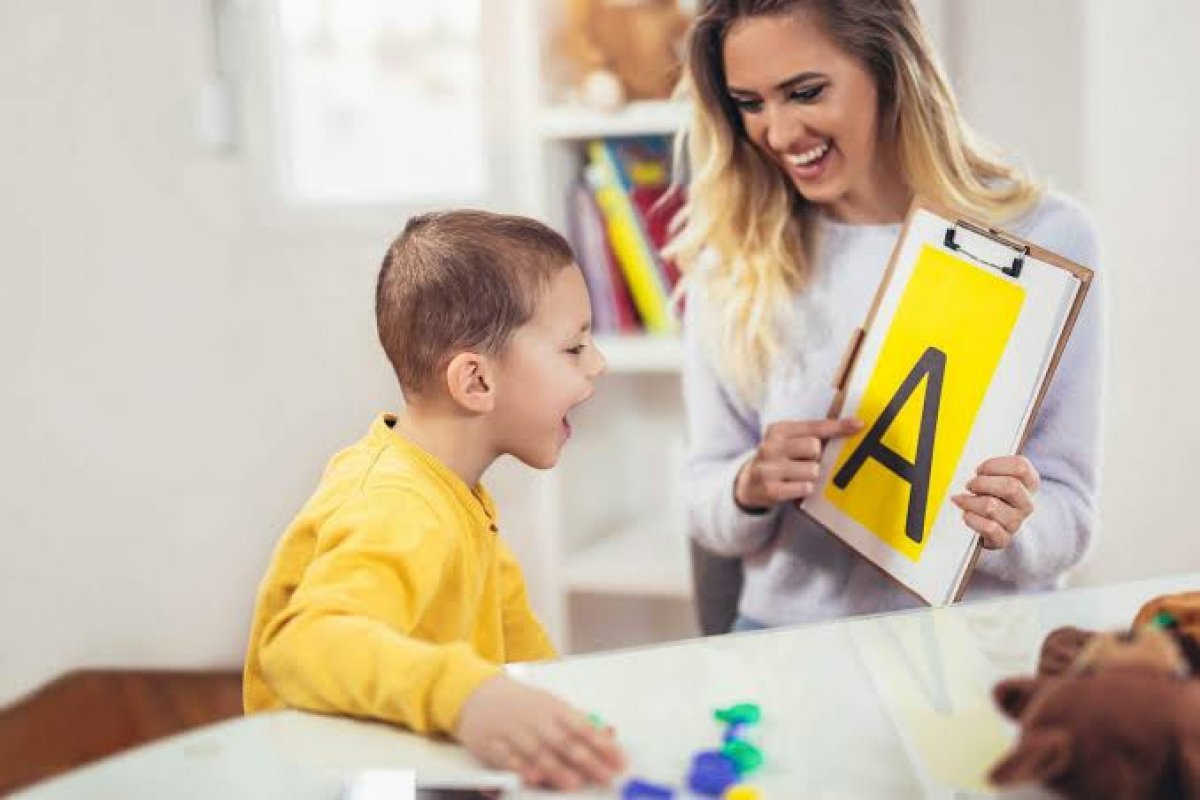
391, 596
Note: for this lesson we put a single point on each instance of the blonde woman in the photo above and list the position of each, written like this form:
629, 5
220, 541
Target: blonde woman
815, 123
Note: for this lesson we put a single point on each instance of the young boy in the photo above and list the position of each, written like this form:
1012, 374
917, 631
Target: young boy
392, 595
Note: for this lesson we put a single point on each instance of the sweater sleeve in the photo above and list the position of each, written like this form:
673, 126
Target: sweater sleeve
1064, 445
722, 434
343, 642
524, 637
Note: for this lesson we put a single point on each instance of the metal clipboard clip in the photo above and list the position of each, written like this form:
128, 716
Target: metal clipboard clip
989, 254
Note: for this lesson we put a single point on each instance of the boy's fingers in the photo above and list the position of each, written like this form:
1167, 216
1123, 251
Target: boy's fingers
559, 774
557, 734
542, 764
605, 747
499, 755
600, 743
507, 758
524, 743
584, 759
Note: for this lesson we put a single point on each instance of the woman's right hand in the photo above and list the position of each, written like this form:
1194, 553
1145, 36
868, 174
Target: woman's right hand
787, 462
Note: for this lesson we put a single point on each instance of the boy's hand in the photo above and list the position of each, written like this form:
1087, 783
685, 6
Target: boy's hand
515, 727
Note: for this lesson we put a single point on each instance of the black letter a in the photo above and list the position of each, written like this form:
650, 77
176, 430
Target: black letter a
933, 364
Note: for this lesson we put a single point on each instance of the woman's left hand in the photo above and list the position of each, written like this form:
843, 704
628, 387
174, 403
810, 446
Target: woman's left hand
999, 499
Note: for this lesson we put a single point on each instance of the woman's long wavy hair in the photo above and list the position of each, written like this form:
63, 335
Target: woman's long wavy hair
743, 238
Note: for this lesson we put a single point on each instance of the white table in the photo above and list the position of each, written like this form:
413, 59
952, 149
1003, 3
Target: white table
893, 706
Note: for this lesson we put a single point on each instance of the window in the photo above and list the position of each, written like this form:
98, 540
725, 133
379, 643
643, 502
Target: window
378, 102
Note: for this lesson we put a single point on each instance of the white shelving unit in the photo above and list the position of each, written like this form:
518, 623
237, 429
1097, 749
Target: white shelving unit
638, 354
604, 527
601, 536
641, 118
639, 560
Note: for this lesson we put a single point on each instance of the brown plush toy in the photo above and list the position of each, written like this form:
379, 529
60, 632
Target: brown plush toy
1178, 615
620, 50
1112, 715
1071, 651
1118, 733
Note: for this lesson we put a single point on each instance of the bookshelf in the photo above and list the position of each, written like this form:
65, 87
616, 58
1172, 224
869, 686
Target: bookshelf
640, 118
603, 542
605, 553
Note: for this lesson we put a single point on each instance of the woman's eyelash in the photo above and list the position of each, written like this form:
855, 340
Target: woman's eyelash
576, 350
806, 95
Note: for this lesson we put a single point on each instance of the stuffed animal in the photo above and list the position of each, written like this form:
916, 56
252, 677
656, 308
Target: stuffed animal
1177, 615
1125, 732
1072, 650
620, 50
1112, 715
1060, 649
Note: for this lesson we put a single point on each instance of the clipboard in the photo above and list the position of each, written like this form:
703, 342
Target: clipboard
951, 366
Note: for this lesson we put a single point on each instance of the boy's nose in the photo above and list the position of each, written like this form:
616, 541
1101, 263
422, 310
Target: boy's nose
600, 364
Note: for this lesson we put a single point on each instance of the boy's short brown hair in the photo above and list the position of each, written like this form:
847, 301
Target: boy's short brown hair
460, 280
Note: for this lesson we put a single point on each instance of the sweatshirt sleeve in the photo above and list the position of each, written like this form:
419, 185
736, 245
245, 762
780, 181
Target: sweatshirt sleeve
524, 637
1064, 445
722, 434
342, 644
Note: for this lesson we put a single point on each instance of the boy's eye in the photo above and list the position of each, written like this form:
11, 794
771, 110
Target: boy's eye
576, 350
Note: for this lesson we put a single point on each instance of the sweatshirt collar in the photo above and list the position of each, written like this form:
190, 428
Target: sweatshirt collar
477, 500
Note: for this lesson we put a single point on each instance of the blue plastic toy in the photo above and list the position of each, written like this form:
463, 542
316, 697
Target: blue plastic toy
712, 773
736, 730
638, 789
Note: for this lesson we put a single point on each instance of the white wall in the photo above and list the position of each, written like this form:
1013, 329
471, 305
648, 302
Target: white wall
1142, 174
1101, 98
1018, 67
171, 375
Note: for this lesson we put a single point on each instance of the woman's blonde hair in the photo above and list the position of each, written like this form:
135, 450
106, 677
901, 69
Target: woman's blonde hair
744, 235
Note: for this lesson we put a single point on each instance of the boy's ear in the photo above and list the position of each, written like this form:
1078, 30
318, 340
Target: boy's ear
470, 379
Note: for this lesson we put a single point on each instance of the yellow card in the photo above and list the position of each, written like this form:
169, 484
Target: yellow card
936, 363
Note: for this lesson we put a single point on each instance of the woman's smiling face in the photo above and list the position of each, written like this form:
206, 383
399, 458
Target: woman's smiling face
807, 105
